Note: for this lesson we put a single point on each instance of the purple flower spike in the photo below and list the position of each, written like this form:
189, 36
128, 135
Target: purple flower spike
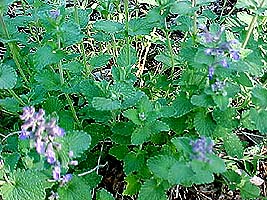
225, 63
28, 113
58, 131
40, 146
50, 154
71, 154
201, 147
208, 51
24, 135
235, 54
66, 178
56, 172
211, 72
74, 162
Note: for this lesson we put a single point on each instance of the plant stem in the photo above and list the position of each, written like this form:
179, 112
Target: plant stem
251, 27
171, 53
16, 97
126, 10
73, 110
13, 49
194, 19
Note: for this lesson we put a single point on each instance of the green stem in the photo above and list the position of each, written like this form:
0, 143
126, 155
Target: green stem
13, 49
126, 10
194, 18
251, 27
16, 97
73, 110
171, 53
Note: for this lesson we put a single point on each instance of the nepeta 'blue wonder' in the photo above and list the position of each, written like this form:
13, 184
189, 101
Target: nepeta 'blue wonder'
201, 148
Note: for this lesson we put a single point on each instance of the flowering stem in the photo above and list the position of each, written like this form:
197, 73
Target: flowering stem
13, 48
251, 27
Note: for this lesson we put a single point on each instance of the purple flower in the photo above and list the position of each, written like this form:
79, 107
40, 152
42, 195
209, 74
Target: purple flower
201, 147
225, 63
71, 154
57, 131
50, 154
74, 162
211, 72
56, 172
66, 178
218, 86
40, 146
234, 54
28, 113
54, 13
209, 51
24, 134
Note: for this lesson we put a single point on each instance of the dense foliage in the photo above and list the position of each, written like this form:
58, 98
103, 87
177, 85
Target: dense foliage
170, 91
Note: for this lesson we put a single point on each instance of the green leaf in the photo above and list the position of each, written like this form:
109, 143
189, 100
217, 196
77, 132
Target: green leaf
122, 132
182, 8
249, 191
27, 185
140, 26
75, 141
46, 56
244, 79
133, 162
49, 80
119, 151
203, 58
66, 119
226, 118
182, 105
259, 96
180, 173
10, 104
90, 89
83, 15
160, 165
221, 101
74, 67
76, 189
70, 33
52, 104
259, 118
108, 26
104, 195
8, 77
104, 104
216, 164
201, 173
233, 145
152, 190
99, 60
202, 100
11, 160
204, 124
178, 125
127, 58
133, 185
133, 115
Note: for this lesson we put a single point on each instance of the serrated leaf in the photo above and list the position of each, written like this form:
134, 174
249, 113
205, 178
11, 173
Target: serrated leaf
108, 26
122, 132
249, 191
8, 77
76, 189
104, 195
133, 185
127, 58
178, 125
75, 141
226, 118
202, 100
133, 115
99, 116
182, 8
259, 96
259, 118
140, 26
11, 160
52, 104
10, 104
46, 56
99, 60
133, 162
119, 151
160, 165
66, 119
27, 185
182, 144
201, 173
104, 104
152, 190
216, 164
180, 173
233, 145
221, 101
204, 124
90, 89
49, 80
70, 33
182, 105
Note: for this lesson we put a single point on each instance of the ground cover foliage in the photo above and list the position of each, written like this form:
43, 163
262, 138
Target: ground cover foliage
141, 99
